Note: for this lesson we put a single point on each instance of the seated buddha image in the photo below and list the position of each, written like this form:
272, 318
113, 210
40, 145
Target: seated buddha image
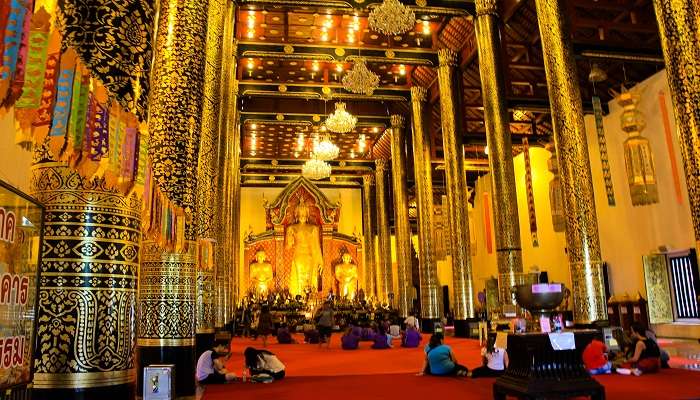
260, 273
346, 275
303, 238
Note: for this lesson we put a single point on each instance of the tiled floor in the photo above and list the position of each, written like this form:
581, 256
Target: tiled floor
685, 353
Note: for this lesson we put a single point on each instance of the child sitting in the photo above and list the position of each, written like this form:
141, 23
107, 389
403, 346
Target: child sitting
595, 358
494, 359
411, 338
349, 341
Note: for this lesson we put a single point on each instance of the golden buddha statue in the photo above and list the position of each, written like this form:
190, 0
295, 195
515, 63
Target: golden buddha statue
260, 273
346, 275
307, 261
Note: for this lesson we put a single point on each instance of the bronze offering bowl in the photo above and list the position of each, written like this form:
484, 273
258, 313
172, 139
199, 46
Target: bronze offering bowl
542, 300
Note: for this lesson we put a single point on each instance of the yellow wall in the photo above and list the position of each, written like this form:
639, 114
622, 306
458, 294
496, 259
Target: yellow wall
626, 232
14, 161
253, 213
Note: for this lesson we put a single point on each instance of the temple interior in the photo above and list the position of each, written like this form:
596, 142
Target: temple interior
284, 176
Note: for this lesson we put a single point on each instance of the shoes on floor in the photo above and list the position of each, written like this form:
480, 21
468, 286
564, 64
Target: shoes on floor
624, 371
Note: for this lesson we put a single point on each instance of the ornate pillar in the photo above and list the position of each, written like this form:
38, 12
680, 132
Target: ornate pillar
451, 110
401, 223
228, 257
679, 24
497, 123
86, 319
368, 237
207, 174
168, 278
582, 240
429, 288
385, 283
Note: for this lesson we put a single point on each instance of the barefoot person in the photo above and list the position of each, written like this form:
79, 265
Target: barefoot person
210, 366
439, 359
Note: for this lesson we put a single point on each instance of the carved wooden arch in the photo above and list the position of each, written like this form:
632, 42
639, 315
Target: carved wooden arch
281, 211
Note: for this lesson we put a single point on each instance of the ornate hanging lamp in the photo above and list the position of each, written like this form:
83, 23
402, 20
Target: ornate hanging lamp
392, 18
341, 121
639, 159
598, 75
360, 79
556, 199
316, 169
325, 149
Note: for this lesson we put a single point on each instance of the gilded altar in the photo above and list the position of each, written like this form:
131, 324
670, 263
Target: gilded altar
301, 242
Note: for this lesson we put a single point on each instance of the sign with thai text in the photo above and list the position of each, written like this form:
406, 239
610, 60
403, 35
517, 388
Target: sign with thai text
20, 239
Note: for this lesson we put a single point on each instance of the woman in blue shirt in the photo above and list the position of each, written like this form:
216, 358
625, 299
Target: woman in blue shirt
439, 359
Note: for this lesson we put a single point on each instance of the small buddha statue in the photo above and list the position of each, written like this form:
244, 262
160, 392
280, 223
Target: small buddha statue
260, 273
346, 275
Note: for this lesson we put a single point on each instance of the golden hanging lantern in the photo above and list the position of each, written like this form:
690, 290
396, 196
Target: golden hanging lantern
639, 160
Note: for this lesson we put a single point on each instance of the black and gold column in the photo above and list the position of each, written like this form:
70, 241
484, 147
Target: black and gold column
496, 120
368, 237
451, 111
401, 223
583, 245
429, 287
86, 319
168, 276
679, 24
385, 283
207, 173
228, 257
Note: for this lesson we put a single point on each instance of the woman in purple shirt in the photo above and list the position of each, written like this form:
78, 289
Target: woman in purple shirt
411, 338
349, 341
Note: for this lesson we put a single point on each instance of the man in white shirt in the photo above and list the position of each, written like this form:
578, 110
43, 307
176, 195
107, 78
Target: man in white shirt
210, 366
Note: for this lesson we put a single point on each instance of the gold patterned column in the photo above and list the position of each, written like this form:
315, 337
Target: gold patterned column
368, 237
168, 279
385, 283
86, 319
583, 245
429, 287
228, 256
497, 124
401, 223
451, 111
679, 24
207, 173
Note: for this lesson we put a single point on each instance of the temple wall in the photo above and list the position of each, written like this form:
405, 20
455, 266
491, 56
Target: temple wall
14, 161
253, 213
626, 232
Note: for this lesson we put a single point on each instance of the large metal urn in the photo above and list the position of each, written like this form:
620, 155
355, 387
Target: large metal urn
539, 299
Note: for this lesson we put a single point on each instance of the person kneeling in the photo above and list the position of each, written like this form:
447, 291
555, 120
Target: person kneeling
284, 336
439, 359
350, 341
210, 366
263, 362
411, 338
495, 361
382, 340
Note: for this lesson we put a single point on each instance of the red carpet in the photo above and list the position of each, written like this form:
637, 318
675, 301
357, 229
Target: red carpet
367, 374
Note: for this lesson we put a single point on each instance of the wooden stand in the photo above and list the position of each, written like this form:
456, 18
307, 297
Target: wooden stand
537, 371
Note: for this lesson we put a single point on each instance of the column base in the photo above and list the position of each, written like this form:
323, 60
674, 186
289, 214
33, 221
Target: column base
203, 342
463, 327
428, 325
126, 391
184, 359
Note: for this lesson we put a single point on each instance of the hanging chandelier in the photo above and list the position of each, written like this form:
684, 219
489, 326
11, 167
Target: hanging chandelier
316, 169
392, 18
360, 79
340, 121
325, 149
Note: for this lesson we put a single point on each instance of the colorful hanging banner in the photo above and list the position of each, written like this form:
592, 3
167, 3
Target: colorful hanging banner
12, 41
669, 145
530, 194
603, 150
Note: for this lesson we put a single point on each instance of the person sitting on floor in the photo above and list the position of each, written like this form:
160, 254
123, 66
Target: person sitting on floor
284, 336
311, 334
349, 341
411, 321
647, 356
439, 359
395, 331
382, 340
495, 361
411, 338
356, 330
263, 362
210, 365
367, 333
595, 358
